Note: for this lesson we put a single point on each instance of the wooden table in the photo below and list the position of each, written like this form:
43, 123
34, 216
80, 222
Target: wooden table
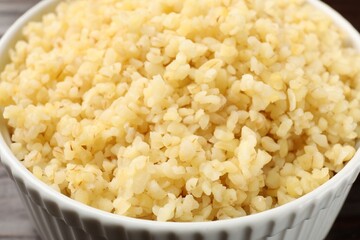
16, 225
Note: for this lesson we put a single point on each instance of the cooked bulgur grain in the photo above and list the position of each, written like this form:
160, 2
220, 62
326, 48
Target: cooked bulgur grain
182, 110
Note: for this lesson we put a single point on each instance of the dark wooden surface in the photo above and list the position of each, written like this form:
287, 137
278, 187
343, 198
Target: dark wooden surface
14, 222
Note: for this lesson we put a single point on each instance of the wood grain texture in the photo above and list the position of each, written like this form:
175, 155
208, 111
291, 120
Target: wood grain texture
14, 221
16, 225
10, 10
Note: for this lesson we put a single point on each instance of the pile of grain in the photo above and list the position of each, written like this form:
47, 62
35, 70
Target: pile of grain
183, 110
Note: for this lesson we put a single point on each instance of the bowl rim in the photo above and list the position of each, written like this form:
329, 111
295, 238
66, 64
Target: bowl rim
46, 192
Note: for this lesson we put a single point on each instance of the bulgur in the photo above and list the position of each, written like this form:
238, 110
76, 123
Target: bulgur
182, 110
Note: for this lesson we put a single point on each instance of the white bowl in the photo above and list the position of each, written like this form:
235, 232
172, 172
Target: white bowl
59, 217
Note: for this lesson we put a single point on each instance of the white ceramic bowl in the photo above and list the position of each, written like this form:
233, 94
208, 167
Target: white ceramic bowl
59, 217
